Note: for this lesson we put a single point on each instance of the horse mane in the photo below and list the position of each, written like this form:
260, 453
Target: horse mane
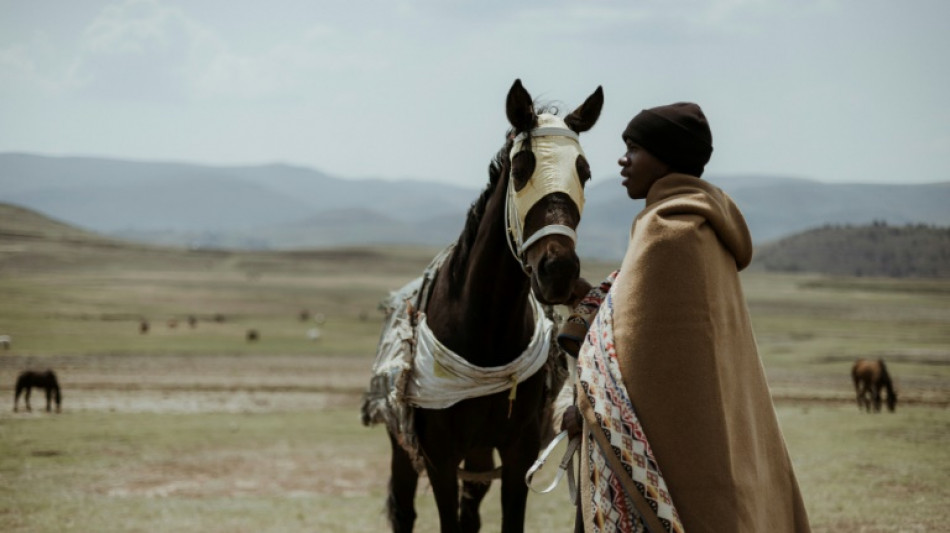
497, 168
463, 247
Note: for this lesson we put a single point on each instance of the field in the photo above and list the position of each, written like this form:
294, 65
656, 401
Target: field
198, 429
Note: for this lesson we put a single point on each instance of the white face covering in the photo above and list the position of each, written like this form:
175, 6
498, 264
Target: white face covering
556, 149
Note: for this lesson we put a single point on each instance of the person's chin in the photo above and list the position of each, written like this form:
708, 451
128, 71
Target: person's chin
626, 186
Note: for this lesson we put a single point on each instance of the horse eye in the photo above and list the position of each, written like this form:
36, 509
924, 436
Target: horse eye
522, 167
583, 169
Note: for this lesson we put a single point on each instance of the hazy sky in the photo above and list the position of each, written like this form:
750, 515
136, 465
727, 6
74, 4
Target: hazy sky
831, 90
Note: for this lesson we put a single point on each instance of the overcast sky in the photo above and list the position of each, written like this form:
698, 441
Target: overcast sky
830, 90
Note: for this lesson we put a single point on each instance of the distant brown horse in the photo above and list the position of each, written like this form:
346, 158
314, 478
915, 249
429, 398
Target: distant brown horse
46, 380
869, 378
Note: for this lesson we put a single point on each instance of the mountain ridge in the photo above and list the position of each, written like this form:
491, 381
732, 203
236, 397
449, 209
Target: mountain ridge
280, 206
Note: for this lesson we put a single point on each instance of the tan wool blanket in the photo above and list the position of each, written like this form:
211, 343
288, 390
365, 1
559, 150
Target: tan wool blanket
688, 366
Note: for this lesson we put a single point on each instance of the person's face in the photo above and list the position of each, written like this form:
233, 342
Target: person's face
640, 170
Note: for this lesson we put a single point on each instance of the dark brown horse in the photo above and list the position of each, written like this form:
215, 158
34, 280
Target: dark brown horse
869, 378
480, 309
45, 380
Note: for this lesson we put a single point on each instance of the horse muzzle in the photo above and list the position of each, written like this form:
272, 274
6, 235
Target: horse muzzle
554, 268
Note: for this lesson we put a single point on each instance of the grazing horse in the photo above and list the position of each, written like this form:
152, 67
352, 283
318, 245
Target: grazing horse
869, 378
516, 251
29, 379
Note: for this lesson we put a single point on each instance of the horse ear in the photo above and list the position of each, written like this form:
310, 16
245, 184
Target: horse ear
584, 117
520, 108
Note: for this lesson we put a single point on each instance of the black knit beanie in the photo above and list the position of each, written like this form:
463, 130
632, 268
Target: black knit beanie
676, 134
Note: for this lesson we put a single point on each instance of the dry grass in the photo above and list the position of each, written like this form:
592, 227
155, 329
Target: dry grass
199, 430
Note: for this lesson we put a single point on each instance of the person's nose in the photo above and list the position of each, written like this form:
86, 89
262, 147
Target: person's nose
623, 161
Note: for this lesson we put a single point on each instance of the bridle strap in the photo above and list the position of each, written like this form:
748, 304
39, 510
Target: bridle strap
549, 131
553, 229
513, 234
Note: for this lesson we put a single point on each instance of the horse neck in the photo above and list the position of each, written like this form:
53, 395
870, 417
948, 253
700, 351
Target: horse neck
486, 320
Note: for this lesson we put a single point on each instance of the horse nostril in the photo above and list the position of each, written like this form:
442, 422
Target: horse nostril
558, 267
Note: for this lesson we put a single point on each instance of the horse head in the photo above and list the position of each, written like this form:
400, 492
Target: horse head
545, 195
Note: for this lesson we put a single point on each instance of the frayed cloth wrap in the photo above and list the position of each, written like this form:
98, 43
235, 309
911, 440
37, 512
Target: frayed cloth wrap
441, 378
413, 369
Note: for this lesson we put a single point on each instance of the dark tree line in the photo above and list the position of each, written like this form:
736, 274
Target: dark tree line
875, 250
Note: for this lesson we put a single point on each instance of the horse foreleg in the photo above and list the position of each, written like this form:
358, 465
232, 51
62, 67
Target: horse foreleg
400, 504
443, 475
473, 492
858, 393
876, 394
516, 461
49, 400
26, 399
862, 393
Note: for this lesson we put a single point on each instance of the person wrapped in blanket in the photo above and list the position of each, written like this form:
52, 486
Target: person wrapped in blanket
677, 427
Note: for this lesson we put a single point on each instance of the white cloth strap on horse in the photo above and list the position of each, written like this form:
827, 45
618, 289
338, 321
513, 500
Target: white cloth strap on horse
556, 149
549, 132
442, 378
553, 229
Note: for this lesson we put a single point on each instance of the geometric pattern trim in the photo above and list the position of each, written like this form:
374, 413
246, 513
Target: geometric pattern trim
599, 375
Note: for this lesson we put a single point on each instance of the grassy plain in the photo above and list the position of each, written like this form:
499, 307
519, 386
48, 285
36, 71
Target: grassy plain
196, 429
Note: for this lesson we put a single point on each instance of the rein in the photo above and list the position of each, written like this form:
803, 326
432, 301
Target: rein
514, 231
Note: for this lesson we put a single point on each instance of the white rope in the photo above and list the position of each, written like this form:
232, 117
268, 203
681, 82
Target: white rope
567, 465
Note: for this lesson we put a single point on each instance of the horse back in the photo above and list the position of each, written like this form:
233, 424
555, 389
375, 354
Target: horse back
31, 378
866, 370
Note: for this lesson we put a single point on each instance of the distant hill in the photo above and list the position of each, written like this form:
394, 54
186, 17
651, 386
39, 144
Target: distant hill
31, 241
116, 196
773, 207
283, 207
876, 250
20, 223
